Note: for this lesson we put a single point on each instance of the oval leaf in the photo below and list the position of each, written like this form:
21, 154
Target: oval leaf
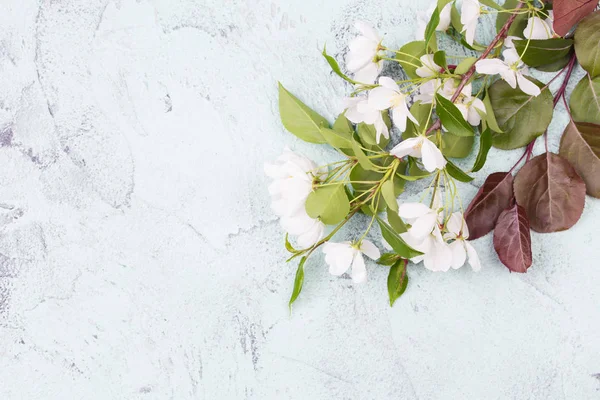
361, 156
518, 25
299, 119
395, 241
485, 143
298, 282
328, 203
451, 117
512, 239
387, 191
551, 192
569, 12
580, 144
421, 113
465, 65
493, 197
397, 280
521, 117
585, 100
536, 53
335, 67
457, 173
456, 146
587, 37
416, 50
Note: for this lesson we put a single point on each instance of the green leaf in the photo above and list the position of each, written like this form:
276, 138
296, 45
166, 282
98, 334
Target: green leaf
585, 100
361, 156
409, 64
587, 37
394, 240
343, 125
451, 117
421, 113
439, 58
485, 143
457, 173
414, 172
299, 119
387, 191
456, 146
335, 139
518, 25
397, 280
543, 52
556, 65
489, 117
431, 25
298, 282
358, 173
335, 67
396, 222
522, 117
388, 259
442, 3
328, 203
464, 66
455, 19
288, 245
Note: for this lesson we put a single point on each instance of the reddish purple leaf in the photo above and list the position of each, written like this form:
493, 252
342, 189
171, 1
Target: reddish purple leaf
569, 12
551, 192
492, 198
512, 239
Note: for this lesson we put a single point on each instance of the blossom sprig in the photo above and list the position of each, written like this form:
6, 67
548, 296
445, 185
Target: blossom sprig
395, 130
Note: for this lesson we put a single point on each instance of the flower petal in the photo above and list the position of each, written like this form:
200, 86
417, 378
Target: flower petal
473, 257
406, 147
490, 67
381, 97
367, 30
412, 210
459, 255
359, 271
338, 256
389, 83
431, 156
423, 226
312, 235
368, 74
439, 257
527, 86
370, 250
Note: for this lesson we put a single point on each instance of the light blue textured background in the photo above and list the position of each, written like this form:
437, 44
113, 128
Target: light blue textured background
139, 258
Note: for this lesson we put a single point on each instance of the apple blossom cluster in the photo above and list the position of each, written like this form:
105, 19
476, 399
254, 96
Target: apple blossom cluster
398, 128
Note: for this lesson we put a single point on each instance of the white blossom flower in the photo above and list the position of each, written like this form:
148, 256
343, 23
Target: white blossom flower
362, 57
460, 247
469, 15
293, 177
340, 256
429, 68
388, 96
538, 28
421, 218
508, 42
468, 107
358, 109
428, 90
437, 255
421, 147
509, 70
308, 230
423, 19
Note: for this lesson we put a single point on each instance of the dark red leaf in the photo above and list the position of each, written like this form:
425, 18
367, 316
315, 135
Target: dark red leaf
492, 198
569, 12
512, 239
551, 192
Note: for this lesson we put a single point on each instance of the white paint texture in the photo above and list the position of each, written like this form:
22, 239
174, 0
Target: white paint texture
139, 258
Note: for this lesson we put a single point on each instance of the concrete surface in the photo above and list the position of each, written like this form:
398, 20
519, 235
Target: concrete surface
139, 258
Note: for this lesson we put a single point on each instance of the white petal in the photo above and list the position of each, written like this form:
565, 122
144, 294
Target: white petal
527, 86
470, 32
367, 31
537, 29
423, 225
421, 26
406, 147
381, 129
439, 257
508, 42
359, 271
469, 11
444, 18
431, 156
511, 56
455, 224
429, 68
473, 257
459, 255
368, 73
473, 116
370, 250
464, 110
338, 256
510, 77
381, 97
297, 224
399, 115
490, 66
312, 236
413, 210
389, 83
